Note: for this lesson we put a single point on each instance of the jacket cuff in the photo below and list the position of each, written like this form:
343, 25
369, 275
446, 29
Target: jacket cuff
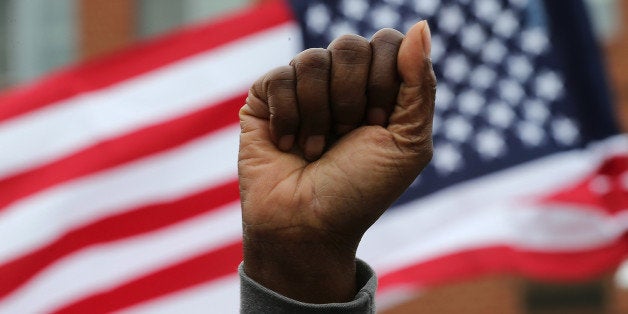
255, 298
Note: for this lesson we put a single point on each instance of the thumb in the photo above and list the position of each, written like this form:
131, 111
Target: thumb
411, 120
413, 53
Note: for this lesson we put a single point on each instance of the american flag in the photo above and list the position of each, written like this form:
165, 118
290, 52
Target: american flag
118, 181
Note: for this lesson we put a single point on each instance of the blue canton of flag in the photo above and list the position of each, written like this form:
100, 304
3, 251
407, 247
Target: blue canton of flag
501, 97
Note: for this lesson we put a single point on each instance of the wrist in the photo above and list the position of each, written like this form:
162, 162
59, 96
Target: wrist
307, 269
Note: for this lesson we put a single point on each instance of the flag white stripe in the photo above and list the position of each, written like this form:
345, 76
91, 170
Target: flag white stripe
41, 218
73, 277
160, 95
480, 213
219, 296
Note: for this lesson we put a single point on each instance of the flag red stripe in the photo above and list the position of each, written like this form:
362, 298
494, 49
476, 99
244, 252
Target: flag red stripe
137, 221
203, 268
455, 267
142, 58
615, 197
556, 266
141, 143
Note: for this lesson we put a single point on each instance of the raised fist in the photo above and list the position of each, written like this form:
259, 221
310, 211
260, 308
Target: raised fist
328, 143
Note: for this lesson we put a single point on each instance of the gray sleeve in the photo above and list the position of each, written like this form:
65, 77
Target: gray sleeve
255, 298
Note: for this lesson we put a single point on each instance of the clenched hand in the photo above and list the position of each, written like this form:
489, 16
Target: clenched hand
328, 143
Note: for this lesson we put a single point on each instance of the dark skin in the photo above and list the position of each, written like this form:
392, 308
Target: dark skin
328, 143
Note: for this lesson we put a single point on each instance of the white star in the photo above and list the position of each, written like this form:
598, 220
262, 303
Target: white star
385, 16
511, 91
456, 68
548, 85
470, 102
317, 18
534, 40
487, 9
355, 9
506, 24
447, 159
500, 114
564, 131
494, 51
444, 97
519, 67
473, 37
451, 19
535, 111
426, 7
457, 129
530, 134
482, 77
490, 144
342, 27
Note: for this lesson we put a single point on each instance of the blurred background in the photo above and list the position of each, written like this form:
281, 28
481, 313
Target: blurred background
40, 36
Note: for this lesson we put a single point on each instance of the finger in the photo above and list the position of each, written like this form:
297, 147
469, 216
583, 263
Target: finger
256, 141
282, 103
350, 62
411, 120
312, 68
383, 84
273, 97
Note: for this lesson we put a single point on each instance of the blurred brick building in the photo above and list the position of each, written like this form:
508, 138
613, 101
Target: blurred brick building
55, 33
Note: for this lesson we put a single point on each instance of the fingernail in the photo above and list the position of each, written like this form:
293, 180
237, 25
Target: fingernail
376, 116
343, 128
314, 146
427, 39
286, 142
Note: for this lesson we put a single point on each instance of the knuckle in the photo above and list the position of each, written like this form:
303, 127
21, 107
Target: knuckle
281, 73
259, 87
280, 78
313, 58
387, 39
276, 85
351, 49
350, 42
420, 147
